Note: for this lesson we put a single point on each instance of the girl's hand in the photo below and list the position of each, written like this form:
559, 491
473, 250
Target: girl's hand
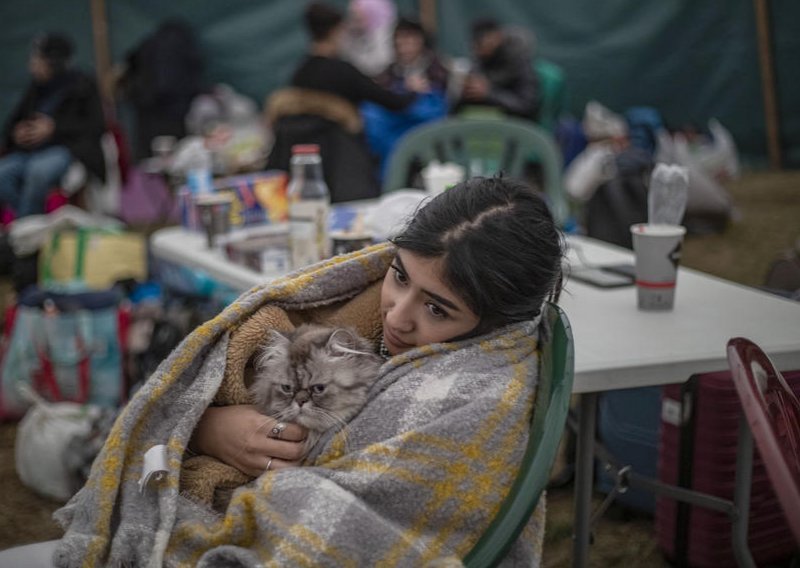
240, 437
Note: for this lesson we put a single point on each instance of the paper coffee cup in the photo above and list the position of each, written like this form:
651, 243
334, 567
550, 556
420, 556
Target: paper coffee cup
658, 252
215, 216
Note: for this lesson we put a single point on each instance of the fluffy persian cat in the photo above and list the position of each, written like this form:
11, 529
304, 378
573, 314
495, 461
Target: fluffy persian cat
316, 376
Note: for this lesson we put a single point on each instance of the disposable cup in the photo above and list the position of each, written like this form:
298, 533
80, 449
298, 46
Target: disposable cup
215, 216
438, 177
658, 252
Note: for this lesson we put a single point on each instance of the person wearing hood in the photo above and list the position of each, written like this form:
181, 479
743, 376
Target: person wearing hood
59, 120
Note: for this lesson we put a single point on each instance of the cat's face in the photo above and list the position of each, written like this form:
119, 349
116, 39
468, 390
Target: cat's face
317, 377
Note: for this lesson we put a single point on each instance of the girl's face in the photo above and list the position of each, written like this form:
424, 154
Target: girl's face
418, 308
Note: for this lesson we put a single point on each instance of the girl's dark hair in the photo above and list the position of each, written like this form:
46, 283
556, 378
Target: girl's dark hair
321, 18
501, 248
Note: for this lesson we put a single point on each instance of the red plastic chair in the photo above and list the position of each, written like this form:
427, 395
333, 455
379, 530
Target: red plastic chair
773, 414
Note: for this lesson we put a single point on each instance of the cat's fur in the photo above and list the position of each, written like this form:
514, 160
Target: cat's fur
316, 376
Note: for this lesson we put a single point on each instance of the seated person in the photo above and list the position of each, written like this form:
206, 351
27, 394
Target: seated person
415, 64
321, 108
503, 75
160, 77
453, 307
58, 120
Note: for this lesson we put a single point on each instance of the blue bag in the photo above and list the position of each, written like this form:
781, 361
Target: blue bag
64, 346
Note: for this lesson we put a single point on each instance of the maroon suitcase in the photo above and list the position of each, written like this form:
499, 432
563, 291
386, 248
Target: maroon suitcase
697, 450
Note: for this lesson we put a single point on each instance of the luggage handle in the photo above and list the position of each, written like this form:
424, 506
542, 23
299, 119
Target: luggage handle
45, 378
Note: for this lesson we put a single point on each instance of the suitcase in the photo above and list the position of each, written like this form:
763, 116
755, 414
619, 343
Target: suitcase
627, 426
699, 436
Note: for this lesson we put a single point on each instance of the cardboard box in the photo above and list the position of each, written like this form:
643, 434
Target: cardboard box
258, 198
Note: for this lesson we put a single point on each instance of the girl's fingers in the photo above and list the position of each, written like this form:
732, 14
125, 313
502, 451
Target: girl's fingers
282, 449
259, 464
284, 431
275, 464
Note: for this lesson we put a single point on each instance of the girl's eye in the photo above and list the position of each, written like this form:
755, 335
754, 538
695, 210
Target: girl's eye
399, 276
286, 389
317, 389
436, 311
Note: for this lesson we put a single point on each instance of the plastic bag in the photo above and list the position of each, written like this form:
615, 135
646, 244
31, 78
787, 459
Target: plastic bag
589, 170
717, 157
600, 122
42, 438
667, 194
709, 206
237, 135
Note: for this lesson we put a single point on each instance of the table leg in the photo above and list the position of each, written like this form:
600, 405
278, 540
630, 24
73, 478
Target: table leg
584, 478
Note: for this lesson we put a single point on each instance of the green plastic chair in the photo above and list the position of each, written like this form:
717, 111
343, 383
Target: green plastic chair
556, 372
482, 147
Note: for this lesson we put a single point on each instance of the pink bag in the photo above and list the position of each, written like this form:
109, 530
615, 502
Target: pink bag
146, 198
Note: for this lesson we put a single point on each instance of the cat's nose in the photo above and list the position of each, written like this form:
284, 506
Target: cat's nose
302, 397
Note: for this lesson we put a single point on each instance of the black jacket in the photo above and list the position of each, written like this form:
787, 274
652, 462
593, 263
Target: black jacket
514, 85
73, 102
340, 78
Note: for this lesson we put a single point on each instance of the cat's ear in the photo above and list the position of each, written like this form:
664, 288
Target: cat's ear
343, 342
277, 344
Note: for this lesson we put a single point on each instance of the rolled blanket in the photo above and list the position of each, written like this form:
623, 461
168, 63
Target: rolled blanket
418, 475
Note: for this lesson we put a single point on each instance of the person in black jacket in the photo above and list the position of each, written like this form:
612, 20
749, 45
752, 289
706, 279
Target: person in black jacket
162, 76
323, 69
503, 75
58, 120
322, 107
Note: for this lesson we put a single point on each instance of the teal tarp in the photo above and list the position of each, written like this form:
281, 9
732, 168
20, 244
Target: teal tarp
691, 60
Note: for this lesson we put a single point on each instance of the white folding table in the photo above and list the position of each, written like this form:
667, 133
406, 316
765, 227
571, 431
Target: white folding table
618, 346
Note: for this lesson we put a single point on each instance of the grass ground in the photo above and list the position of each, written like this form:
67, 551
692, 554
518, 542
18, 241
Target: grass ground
769, 208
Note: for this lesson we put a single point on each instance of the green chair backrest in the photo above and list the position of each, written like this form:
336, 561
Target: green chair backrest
552, 92
556, 371
482, 147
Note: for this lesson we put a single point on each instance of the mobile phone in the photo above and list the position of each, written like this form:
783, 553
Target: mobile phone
599, 277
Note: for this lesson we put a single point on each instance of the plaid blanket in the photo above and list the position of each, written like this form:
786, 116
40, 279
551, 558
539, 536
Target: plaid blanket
415, 479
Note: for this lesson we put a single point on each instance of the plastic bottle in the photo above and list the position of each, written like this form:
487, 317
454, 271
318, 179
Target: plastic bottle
309, 206
198, 171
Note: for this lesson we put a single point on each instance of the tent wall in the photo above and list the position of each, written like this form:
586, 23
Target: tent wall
691, 60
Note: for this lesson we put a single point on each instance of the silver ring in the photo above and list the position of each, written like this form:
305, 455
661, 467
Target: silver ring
277, 430
269, 464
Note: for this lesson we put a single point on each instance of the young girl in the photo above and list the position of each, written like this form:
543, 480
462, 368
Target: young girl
480, 256
424, 466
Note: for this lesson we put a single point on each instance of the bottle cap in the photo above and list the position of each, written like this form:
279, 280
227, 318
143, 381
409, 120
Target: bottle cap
305, 149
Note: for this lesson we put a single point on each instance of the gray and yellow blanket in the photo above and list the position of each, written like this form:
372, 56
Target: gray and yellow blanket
416, 478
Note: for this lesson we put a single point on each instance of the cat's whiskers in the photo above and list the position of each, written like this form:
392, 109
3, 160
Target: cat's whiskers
335, 420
